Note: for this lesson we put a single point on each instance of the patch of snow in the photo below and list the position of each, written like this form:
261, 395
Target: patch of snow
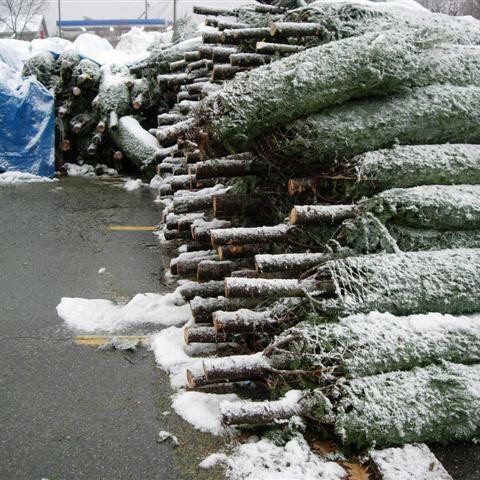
136, 42
74, 170
15, 178
410, 462
102, 270
202, 410
263, 460
213, 460
51, 44
175, 357
131, 185
98, 315
163, 435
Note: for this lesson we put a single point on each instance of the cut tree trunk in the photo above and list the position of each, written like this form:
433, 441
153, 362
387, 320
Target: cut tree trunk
244, 321
321, 214
241, 235
203, 308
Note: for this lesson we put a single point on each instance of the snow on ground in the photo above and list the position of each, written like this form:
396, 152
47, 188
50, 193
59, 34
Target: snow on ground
262, 460
410, 462
74, 170
202, 410
131, 185
15, 178
97, 315
175, 357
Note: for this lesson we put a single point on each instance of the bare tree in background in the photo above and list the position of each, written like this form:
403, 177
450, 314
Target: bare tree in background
453, 7
16, 14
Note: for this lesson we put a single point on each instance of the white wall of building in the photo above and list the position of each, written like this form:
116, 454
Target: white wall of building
97, 9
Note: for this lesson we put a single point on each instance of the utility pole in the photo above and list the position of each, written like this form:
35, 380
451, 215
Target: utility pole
146, 9
174, 12
59, 20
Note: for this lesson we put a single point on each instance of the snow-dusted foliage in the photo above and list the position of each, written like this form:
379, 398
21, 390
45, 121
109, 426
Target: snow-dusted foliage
434, 114
362, 345
406, 166
435, 403
444, 281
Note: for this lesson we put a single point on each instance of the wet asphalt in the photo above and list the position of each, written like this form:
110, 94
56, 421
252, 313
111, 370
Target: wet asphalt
70, 412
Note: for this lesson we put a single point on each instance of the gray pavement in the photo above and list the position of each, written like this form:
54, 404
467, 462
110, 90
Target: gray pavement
71, 412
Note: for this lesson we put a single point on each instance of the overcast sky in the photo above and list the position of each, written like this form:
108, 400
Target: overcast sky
77, 9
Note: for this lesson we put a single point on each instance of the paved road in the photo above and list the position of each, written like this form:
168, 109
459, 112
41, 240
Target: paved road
70, 412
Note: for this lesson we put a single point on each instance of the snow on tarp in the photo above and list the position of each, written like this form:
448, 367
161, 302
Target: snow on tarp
26, 120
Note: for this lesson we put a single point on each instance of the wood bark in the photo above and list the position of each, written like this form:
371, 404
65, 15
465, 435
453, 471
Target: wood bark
296, 29
191, 203
214, 270
266, 288
228, 167
191, 290
291, 263
249, 59
224, 12
205, 335
226, 252
224, 71
278, 48
203, 308
218, 54
201, 229
239, 367
321, 214
260, 413
243, 321
168, 136
239, 236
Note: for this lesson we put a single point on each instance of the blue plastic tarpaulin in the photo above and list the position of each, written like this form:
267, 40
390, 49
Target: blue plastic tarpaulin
27, 122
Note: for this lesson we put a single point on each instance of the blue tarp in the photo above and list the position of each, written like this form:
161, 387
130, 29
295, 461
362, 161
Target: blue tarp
27, 128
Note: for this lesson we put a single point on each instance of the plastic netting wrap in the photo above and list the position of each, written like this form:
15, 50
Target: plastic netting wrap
438, 207
407, 166
367, 234
446, 281
363, 345
346, 19
426, 115
428, 217
435, 403
273, 95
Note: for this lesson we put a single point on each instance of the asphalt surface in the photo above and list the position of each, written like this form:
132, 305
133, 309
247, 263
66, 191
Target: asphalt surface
70, 412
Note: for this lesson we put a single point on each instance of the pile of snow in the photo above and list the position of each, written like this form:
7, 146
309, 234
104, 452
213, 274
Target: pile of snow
131, 185
74, 170
202, 410
262, 460
15, 178
135, 44
175, 357
98, 315
54, 45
